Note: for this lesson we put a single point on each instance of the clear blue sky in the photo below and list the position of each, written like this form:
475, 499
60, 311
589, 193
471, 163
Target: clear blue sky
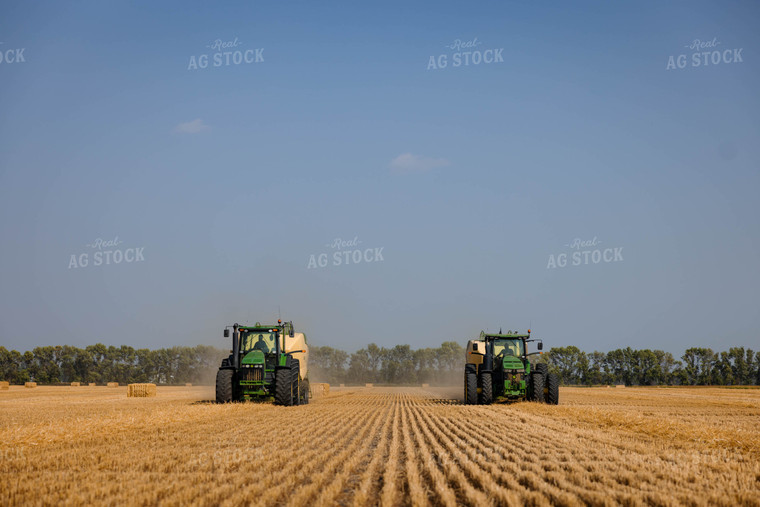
580, 132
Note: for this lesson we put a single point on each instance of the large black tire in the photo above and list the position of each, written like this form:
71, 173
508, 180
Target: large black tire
306, 388
295, 366
537, 385
552, 391
224, 385
486, 390
541, 368
283, 387
470, 385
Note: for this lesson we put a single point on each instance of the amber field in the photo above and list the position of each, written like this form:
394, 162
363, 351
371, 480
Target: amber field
380, 446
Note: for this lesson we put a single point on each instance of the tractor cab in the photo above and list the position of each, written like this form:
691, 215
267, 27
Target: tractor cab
514, 347
504, 351
258, 345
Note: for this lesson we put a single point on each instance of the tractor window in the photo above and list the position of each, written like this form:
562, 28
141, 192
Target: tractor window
508, 347
252, 340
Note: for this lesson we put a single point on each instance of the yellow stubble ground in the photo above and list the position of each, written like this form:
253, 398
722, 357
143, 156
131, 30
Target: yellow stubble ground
388, 446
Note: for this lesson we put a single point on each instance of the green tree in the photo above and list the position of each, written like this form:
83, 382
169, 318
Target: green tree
598, 370
360, 368
570, 363
698, 365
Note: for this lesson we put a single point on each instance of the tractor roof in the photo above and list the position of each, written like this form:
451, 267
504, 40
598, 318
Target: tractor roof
262, 328
494, 336
268, 328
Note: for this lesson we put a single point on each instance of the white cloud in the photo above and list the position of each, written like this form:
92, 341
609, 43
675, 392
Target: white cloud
191, 127
409, 163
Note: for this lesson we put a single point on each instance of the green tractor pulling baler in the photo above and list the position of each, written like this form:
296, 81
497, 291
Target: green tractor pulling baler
267, 362
497, 369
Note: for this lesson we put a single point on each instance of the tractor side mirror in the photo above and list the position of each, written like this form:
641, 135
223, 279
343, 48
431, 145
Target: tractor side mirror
540, 346
226, 333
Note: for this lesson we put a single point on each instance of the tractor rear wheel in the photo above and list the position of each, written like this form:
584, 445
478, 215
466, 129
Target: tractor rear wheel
537, 385
283, 387
295, 367
486, 391
552, 394
224, 386
464, 398
470, 386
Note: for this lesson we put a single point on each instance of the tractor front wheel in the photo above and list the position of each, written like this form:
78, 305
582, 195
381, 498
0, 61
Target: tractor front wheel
537, 385
224, 386
470, 387
552, 392
486, 391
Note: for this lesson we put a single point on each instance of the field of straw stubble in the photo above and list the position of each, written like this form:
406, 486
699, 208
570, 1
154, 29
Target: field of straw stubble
387, 446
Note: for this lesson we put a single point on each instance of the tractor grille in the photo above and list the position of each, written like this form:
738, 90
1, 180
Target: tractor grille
254, 374
514, 375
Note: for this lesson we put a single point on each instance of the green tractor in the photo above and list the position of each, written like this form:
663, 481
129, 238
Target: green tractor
497, 369
267, 363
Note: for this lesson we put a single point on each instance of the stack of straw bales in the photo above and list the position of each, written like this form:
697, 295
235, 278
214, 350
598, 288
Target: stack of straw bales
141, 390
113, 384
318, 390
30, 384
4, 386
75, 384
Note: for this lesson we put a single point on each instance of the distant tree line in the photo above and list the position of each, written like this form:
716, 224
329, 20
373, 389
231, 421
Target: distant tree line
698, 366
443, 365
100, 364
398, 365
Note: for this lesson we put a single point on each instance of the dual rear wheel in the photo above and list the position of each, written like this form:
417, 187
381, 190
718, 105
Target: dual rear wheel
544, 387
471, 395
289, 389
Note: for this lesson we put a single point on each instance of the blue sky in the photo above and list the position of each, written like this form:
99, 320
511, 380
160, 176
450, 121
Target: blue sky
580, 132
